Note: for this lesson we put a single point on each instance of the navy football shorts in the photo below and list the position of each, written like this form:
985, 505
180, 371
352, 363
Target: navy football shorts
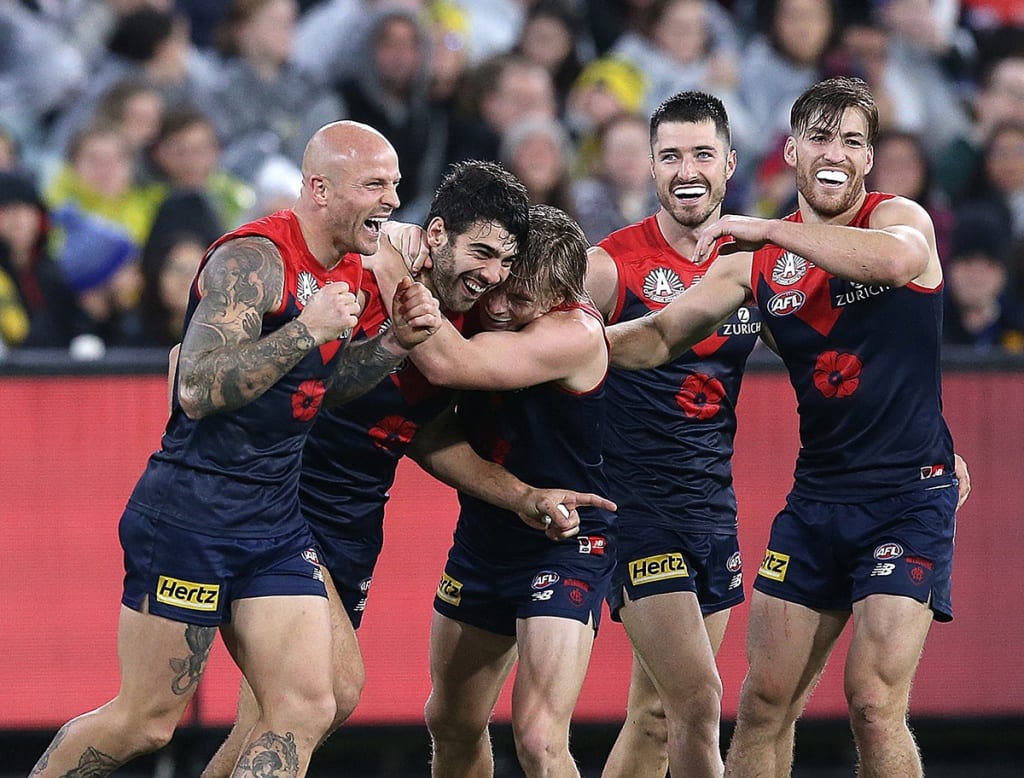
570, 581
829, 555
350, 561
659, 560
193, 578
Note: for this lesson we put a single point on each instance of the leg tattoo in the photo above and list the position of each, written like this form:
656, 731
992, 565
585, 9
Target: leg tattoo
190, 669
270, 756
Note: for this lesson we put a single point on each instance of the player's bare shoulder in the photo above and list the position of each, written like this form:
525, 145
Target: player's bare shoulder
602, 280
911, 222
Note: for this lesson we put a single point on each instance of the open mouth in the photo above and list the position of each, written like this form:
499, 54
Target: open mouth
830, 177
374, 225
689, 192
475, 288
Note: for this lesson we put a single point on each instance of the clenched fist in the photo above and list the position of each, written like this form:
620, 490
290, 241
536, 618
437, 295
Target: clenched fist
415, 313
330, 312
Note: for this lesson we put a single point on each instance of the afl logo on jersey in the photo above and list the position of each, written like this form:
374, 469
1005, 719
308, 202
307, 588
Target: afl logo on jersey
789, 268
663, 285
305, 287
787, 302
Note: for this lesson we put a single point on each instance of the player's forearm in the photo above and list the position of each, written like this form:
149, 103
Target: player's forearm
459, 466
363, 365
891, 257
444, 356
226, 378
638, 344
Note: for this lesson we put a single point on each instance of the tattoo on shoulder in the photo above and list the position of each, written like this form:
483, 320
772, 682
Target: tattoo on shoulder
190, 669
242, 280
270, 756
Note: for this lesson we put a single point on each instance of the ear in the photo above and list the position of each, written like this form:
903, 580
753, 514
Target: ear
730, 164
437, 233
318, 189
870, 163
789, 151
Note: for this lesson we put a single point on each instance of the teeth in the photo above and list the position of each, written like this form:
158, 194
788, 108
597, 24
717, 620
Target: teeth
689, 190
832, 176
474, 287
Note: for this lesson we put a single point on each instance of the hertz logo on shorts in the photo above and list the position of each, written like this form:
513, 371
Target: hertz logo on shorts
658, 568
187, 594
774, 565
449, 590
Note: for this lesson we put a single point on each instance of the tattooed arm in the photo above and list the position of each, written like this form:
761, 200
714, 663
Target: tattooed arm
415, 316
224, 364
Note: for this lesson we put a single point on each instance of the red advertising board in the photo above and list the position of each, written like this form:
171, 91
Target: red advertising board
72, 448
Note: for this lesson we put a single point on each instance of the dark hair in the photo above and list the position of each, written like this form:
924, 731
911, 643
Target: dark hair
181, 117
554, 265
475, 191
139, 33
822, 105
693, 107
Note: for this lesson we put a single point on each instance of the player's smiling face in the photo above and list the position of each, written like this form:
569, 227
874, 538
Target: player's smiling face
831, 163
691, 165
503, 311
468, 265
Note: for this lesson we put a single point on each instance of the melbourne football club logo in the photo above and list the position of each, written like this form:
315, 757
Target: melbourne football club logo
663, 285
789, 268
305, 287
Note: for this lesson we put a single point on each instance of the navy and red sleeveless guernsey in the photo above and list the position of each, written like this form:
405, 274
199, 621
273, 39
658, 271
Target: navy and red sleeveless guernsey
236, 473
353, 450
864, 361
546, 436
670, 439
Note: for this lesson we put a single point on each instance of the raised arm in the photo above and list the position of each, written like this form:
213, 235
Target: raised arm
654, 340
415, 317
224, 363
440, 449
553, 347
896, 248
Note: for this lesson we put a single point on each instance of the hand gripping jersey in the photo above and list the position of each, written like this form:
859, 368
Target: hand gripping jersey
671, 429
548, 437
236, 472
351, 455
864, 361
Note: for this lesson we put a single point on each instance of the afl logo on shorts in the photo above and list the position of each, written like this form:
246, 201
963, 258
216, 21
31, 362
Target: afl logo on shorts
888, 551
787, 302
545, 579
735, 563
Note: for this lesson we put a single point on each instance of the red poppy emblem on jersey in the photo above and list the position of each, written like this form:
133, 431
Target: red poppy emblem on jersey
392, 432
700, 396
499, 450
307, 399
837, 375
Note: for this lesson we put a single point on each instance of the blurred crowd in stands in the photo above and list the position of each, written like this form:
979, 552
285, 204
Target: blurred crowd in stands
134, 132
